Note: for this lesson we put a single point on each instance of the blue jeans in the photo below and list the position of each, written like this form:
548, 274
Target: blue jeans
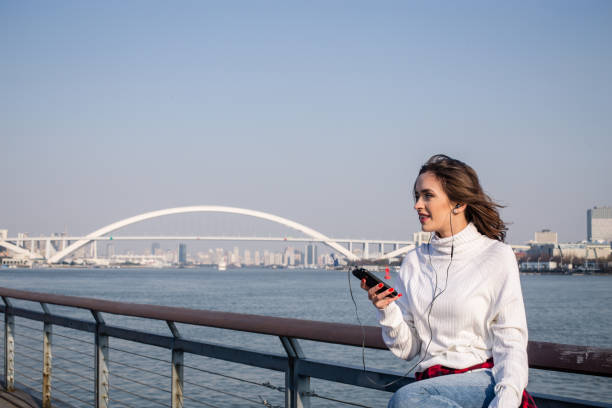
467, 390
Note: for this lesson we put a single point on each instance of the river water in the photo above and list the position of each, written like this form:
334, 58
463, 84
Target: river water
560, 309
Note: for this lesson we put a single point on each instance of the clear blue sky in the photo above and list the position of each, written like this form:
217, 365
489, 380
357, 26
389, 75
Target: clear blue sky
321, 112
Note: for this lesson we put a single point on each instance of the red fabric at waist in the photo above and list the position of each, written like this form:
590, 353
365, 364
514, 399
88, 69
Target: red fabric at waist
438, 370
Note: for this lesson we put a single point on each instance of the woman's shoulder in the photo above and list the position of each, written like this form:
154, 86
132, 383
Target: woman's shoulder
494, 247
501, 259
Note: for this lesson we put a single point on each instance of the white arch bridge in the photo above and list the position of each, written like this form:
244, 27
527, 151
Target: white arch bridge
54, 256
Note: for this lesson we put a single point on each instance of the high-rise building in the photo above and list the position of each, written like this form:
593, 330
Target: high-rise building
311, 255
546, 237
599, 224
182, 257
155, 248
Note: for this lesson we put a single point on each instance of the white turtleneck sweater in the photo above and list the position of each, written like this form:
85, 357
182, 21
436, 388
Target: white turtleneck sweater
480, 314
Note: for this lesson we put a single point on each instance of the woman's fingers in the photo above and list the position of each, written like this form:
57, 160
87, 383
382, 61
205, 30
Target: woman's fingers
363, 285
380, 300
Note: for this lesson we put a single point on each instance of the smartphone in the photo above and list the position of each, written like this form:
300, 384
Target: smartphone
372, 280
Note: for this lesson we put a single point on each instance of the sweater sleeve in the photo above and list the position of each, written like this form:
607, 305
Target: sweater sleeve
509, 328
398, 329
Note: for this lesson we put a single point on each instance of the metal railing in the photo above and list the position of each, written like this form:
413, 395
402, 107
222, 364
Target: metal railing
92, 374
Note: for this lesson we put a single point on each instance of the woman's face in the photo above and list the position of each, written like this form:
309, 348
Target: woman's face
433, 205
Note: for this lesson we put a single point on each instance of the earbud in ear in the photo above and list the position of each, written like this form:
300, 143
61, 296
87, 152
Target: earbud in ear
456, 208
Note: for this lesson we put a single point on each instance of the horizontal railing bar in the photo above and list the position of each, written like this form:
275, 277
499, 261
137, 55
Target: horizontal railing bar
139, 368
58, 320
150, 339
353, 375
570, 359
545, 400
234, 354
542, 355
217, 351
338, 333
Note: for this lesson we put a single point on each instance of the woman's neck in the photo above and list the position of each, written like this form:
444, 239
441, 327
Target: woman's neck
457, 224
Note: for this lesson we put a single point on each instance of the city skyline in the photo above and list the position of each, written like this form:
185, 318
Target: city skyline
598, 218
319, 112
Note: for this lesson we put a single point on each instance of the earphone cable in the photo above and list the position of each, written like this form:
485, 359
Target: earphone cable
430, 307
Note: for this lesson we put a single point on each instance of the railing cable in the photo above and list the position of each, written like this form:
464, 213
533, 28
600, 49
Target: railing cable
29, 357
37, 339
58, 367
267, 384
71, 383
56, 357
120, 402
139, 382
73, 350
139, 368
314, 394
140, 355
89, 403
31, 348
28, 327
72, 338
35, 369
199, 402
36, 380
223, 392
137, 395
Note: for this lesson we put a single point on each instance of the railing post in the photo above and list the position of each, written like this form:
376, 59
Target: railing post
47, 337
9, 346
102, 383
297, 387
177, 369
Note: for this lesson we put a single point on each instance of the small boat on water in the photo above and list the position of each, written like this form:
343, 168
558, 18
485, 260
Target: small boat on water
222, 266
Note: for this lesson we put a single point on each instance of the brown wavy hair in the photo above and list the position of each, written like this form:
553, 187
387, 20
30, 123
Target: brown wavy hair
461, 185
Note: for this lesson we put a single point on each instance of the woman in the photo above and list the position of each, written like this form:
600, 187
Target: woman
461, 313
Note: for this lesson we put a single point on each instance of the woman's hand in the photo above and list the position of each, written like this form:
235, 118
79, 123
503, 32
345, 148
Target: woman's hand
381, 300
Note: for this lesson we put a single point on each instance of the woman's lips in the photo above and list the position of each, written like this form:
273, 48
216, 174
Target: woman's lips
423, 218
